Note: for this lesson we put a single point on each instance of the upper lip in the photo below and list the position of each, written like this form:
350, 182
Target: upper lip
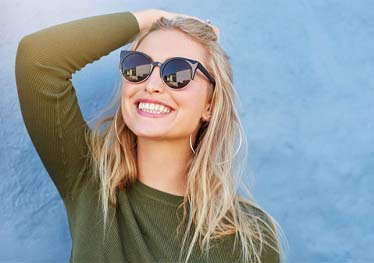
152, 101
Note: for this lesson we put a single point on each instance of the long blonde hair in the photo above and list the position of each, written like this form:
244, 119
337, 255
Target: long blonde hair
211, 204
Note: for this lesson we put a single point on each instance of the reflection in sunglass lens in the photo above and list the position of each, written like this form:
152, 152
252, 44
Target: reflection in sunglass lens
136, 67
177, 73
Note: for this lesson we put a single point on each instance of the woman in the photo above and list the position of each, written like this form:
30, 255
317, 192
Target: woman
153, 182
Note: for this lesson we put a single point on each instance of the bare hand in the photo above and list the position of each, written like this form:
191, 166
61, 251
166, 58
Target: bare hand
147, 17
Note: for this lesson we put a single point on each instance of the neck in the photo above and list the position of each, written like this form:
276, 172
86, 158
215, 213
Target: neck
162, 164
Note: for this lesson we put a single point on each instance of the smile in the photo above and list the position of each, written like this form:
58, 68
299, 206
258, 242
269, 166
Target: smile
153, 108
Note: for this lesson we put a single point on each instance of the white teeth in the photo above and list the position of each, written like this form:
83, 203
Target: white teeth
153, 108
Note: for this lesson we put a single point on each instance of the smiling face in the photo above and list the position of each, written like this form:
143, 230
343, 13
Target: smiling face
182, 110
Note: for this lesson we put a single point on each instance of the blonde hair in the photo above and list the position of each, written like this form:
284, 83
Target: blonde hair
211, 206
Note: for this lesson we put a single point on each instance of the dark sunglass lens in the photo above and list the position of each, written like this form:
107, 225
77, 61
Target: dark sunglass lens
136, 67
177, 73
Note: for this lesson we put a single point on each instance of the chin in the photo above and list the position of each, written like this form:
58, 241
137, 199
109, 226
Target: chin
152, 134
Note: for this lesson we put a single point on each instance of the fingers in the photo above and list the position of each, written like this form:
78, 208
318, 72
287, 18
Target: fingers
171, 15
146, 18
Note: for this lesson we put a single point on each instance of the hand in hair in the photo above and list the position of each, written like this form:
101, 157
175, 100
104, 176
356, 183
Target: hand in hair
146, 18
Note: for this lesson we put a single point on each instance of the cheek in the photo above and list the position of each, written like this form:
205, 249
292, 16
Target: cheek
193, 101
127, 93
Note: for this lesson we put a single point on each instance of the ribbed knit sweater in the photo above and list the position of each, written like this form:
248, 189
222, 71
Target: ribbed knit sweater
142, 226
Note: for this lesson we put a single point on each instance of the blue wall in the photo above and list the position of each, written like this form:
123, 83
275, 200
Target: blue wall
304, 72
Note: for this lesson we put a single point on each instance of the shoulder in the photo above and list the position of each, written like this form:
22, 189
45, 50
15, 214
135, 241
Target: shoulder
265, 230
254, 211
257, 215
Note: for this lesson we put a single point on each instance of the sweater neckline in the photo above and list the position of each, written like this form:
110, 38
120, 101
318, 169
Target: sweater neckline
156, 194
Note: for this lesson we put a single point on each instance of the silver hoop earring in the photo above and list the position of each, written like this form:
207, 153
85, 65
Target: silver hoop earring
115, 126
240, 145
237, 150
191, 145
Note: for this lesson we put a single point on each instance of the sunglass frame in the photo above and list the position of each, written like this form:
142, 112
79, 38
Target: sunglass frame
192, 63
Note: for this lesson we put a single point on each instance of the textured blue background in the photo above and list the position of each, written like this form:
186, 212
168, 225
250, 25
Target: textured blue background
304, 72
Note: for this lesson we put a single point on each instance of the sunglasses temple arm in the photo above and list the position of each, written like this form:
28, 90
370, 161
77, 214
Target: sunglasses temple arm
207, 74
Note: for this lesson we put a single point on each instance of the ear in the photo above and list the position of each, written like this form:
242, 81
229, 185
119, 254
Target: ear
207, 113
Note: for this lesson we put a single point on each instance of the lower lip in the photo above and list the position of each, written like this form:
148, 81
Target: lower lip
152, 115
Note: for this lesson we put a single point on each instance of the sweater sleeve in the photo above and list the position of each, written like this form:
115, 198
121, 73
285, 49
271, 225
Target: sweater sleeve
45, 63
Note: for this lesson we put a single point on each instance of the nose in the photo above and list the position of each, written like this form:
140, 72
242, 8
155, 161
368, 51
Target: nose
154, 82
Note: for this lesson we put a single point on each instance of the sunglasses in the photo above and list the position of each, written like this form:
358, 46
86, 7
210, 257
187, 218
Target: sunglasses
175, 72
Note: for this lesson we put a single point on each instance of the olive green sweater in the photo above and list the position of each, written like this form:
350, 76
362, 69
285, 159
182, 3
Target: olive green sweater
143, 225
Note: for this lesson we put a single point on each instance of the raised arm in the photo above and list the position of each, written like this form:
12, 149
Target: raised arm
45, 63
